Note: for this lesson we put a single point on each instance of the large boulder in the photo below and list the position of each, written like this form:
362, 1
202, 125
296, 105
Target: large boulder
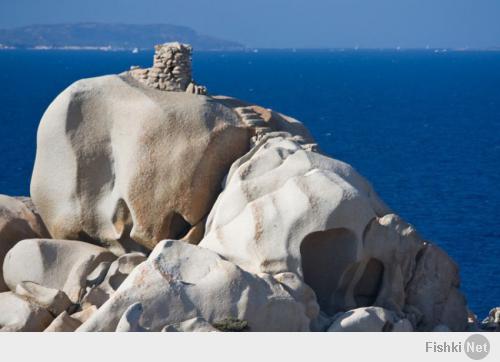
57, 264
18, 314
122, 163
433, 290
18, 221
370, 319
180, 281
286, 209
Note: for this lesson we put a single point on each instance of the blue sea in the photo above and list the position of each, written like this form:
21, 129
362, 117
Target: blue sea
423, 127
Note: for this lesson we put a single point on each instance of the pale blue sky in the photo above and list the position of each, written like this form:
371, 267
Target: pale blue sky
288, 23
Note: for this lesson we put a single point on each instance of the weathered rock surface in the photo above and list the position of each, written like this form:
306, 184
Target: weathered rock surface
106, 281
63, 323
181, 281
18, 314
191, 325
270, 234
83, 315
370, 319
285, 208
58, 264
260, 190
122, 163
18, 221
262, 121
53, 300
433, 290
492, 321
130, 320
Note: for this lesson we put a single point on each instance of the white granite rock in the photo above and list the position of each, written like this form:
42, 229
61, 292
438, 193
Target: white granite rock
492, 321
120, 163
295, 241
181, 281
57, 264
433, 290
55, 301
369, 319
101, 290
403, 325
18, 314
129, 322
263, 121
83, 315
63, 323
18, 221
191, 325
287, 209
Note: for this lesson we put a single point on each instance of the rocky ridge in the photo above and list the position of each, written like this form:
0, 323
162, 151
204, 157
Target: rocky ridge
158, 207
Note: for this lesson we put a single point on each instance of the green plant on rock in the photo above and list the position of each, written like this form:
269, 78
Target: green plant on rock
232, 325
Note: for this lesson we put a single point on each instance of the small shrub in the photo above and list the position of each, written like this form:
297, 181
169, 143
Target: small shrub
232, 325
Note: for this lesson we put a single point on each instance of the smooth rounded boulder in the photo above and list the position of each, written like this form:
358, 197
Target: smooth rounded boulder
180, 281
57, 264
370, 319
123, 164
18, 220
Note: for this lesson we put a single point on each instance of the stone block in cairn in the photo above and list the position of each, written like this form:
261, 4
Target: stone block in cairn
171, 70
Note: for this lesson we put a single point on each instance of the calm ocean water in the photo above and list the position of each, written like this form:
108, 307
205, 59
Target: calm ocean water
424, 128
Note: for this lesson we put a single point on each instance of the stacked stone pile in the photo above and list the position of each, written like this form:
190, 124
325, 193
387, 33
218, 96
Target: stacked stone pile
171, 70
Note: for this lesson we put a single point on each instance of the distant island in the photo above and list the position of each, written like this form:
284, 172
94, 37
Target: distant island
100, 36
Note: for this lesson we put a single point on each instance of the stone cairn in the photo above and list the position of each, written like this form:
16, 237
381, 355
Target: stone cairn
171, 70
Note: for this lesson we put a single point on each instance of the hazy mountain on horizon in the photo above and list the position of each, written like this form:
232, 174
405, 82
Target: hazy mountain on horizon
115, 36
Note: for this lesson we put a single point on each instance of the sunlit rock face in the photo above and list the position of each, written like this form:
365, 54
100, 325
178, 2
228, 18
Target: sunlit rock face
120, 163
285, 208
18, 220
179, 282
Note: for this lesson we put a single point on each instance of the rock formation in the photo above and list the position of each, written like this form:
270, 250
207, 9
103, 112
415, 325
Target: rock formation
18, 221
181, 281
59, 264
369, 319
492, 321
300, 205
172, 210
137, 165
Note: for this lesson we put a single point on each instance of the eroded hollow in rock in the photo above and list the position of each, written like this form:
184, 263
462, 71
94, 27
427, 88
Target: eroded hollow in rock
179, 227
368, 287
325, 257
